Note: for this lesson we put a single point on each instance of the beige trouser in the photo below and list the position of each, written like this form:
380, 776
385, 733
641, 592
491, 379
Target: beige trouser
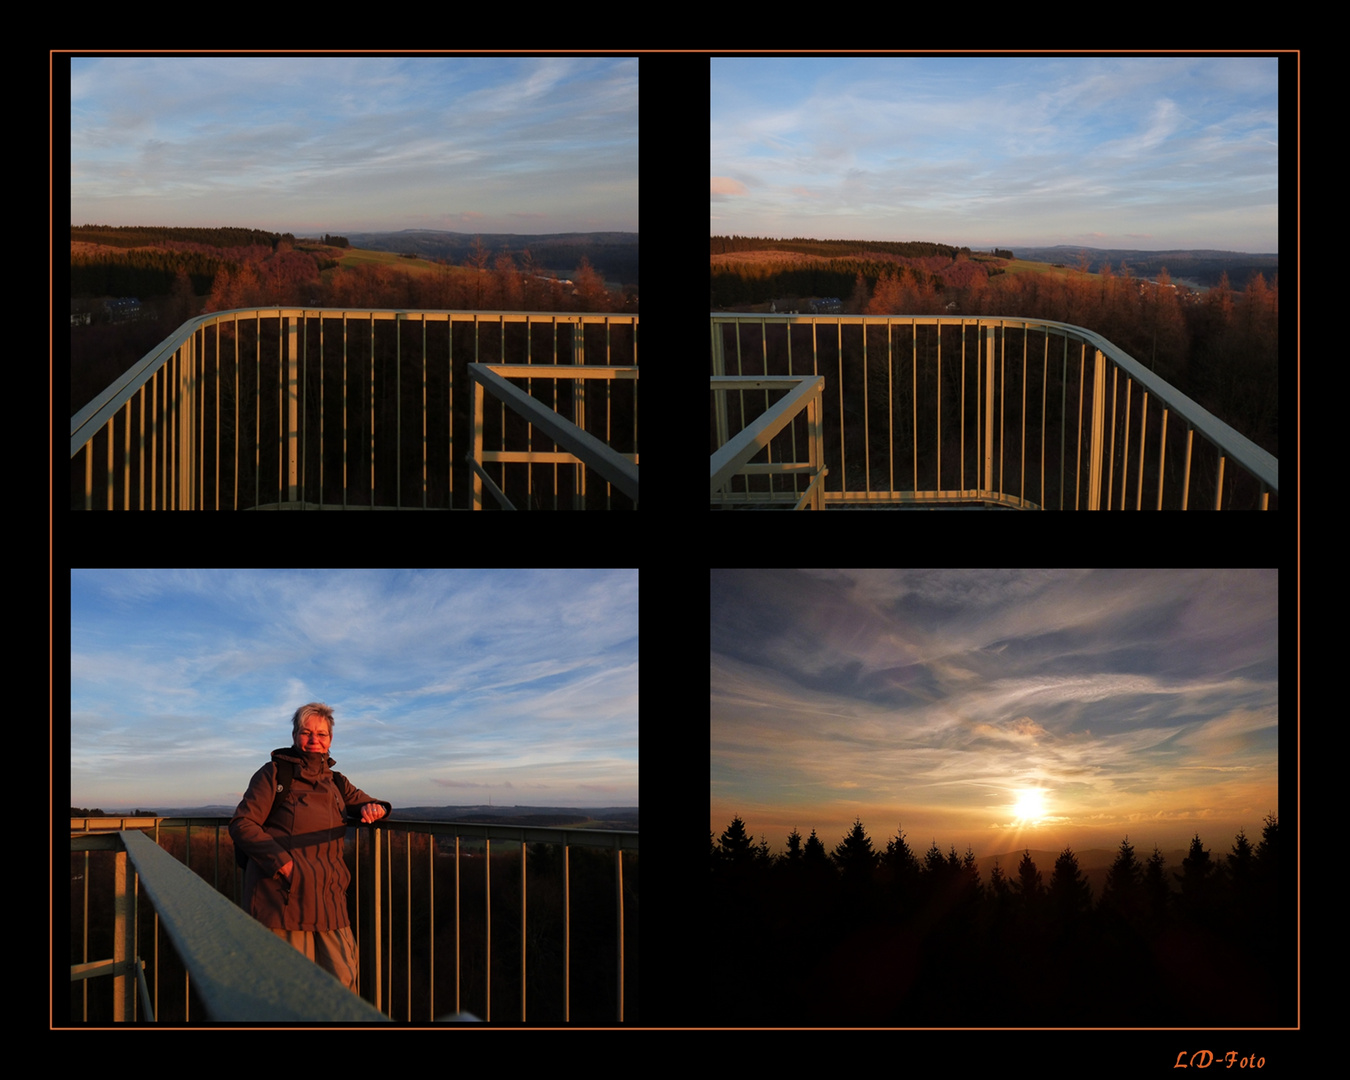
332, 950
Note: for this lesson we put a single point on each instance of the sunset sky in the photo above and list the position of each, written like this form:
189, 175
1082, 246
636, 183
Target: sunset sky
1133, 152
449, 687
313, 144
997, 708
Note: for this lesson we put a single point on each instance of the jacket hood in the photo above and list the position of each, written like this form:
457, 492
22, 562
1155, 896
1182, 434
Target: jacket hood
309, 763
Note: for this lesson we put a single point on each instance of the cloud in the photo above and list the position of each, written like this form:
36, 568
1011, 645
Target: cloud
724, 185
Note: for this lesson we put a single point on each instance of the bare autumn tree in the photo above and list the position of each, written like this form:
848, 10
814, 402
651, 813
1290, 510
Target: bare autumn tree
887, 297
590, 287
861, 295
182, 301
477, 260
510, 290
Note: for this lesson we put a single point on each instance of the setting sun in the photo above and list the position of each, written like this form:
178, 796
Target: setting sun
1030, 805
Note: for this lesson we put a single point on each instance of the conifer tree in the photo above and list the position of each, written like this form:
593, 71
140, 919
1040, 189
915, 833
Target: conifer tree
1199, 881
999, 888
971, 870
736, 844
814, 855
1269, 845
854, 855
1029, 886
901, 868
1070, 893
1240, 862
1156, 891
1123, 892
1265, 868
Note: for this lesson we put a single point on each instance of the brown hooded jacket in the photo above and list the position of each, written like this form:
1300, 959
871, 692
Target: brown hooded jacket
307, 827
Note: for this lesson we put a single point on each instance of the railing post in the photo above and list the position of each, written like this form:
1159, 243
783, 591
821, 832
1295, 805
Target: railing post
579, 409
816, 438
377, 913
719, 362
988, 409
476, 389
618, 887
1098, 430
124, 938
293, 419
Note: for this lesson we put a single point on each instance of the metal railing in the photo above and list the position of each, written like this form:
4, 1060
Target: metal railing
734, 454
325, 408
1019, 413
232, 968
579, 447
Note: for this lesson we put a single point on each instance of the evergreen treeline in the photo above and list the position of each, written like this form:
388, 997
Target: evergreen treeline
722, 245
858, 935
149, 235
142, 272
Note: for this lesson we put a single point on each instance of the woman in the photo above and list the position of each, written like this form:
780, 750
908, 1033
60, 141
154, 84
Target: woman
291, 824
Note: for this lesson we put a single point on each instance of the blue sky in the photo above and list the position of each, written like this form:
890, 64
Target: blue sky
334, 144
1115, 152
1141, 703
448, 686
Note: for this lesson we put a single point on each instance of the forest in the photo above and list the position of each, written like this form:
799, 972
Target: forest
190, 276
858, 935
721, 245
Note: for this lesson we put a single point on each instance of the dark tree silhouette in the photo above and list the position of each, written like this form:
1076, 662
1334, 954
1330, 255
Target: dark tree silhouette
1070, 894
900, 871
1029, 886
1123, 894
1199, 883
889, 938
1156, 889
815, 852
736, 845
854, 855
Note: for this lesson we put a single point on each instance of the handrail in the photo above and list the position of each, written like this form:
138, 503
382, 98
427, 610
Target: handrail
1104, 460
241, 971
1241, 449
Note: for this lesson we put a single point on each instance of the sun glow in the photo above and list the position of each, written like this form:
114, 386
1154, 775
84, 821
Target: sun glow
1030, 805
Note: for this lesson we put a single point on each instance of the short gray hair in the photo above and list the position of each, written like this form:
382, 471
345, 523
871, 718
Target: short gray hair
314, 708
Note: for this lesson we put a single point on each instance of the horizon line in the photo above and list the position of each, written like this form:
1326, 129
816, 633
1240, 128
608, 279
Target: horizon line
981, 248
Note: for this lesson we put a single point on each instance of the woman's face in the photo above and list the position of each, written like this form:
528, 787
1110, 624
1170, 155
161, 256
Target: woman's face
314, 735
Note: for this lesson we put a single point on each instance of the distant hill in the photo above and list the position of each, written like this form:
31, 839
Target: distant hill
602, 817
613, 254
1201, 265
1093, 862
595, 817
163, 811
